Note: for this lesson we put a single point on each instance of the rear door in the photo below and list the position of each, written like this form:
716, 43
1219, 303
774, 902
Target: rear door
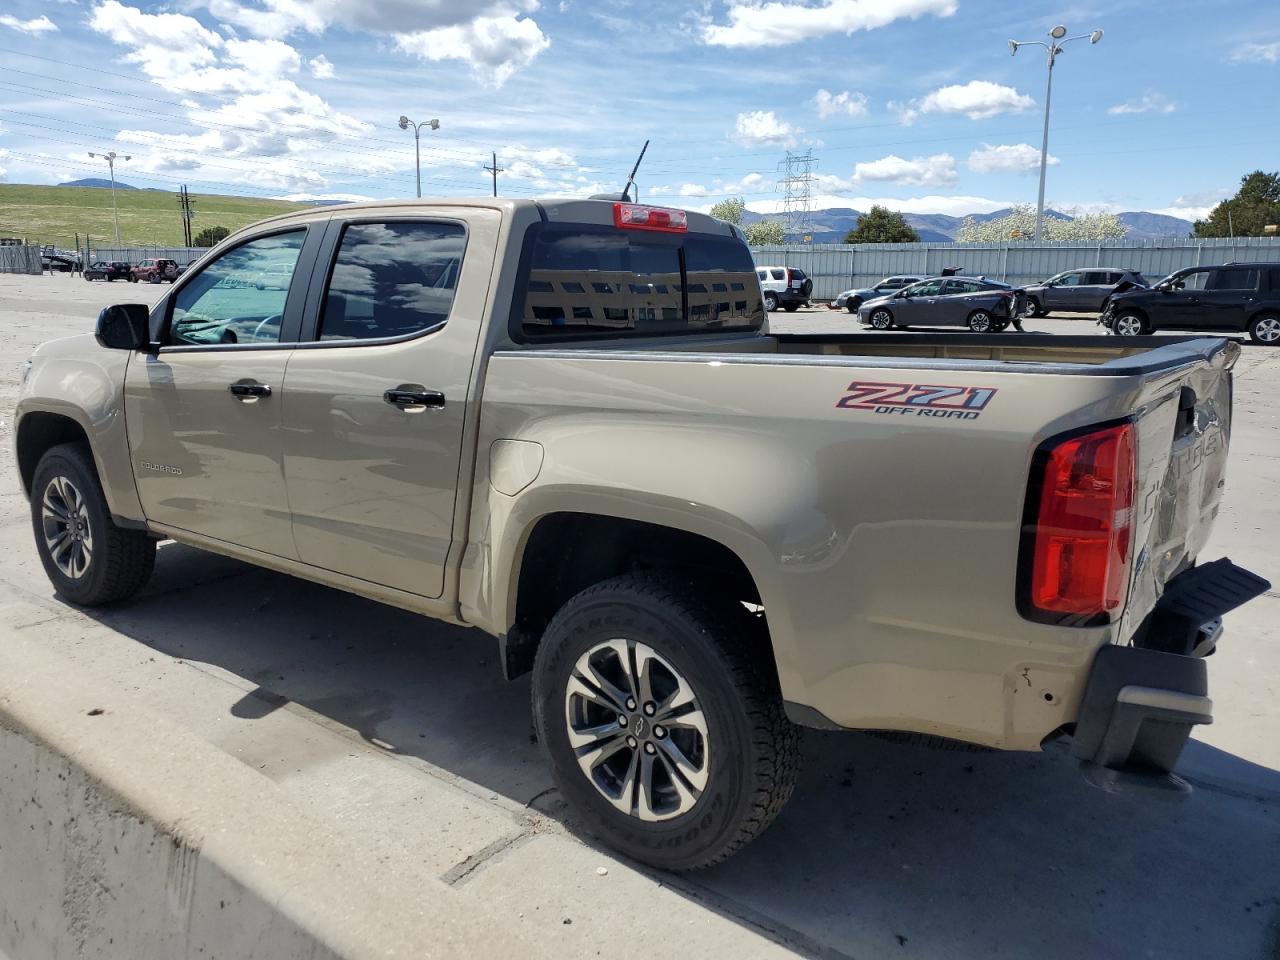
959, 299
1228, 297
378, 392
1097, 286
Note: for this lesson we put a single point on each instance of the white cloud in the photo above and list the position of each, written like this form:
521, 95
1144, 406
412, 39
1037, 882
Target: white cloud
1256, 53
754, 24
829, 104
1195, 206
274, 20
1007, 158
496, 47
321, 68
313, 197
693, 190
762, 127
1147, 103
938, 170
977, 100
34, 26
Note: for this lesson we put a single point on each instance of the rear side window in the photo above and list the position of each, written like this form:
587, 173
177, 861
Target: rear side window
1237, 279
1274, 275
584, 280
392, 279
798, 274
779, 274
963, 286
1099, 278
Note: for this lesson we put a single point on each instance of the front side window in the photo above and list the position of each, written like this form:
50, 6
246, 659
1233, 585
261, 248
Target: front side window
239, 297
1195, 280
1068, 280
392, 279
930, 288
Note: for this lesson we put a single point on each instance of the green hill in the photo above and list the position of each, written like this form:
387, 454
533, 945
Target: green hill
47, 214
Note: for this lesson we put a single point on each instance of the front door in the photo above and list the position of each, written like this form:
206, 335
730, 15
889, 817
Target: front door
1180, 304
376, 403
1064, 293
919, 306
203, 413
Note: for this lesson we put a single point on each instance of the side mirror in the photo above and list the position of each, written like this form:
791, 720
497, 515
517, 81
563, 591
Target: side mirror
125, 326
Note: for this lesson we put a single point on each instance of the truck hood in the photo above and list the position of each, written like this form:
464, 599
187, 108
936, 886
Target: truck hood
79, 345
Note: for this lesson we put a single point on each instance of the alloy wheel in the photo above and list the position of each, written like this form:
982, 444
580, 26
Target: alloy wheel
1267, 330
1128, 325
637, 730
881, 319
980, 322
68, 535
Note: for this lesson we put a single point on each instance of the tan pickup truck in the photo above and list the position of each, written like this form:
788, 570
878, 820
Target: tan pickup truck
566, 424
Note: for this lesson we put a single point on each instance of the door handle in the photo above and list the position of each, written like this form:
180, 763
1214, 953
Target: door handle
249, 392
412, 398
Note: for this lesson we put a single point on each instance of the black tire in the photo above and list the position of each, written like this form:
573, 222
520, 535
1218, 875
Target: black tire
1134, 320
1266, 329
981, 321
770, 301
881, 319
1034, 309
133, 279
791, 307
120, 561
852, 304
720, 651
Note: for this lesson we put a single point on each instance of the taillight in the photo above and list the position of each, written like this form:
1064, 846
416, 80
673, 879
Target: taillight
636, 216
1080, 535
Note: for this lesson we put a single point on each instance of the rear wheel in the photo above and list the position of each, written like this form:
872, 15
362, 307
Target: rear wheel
770, 301
1266, 329
881, 318
852, 304
791, 307
663, 721
980, 322
1130, 325
89, 559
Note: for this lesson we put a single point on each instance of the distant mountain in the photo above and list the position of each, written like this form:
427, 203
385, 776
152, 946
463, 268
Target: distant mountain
831, 225
96, 182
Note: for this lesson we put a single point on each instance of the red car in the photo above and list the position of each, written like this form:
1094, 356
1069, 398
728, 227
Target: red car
153, 271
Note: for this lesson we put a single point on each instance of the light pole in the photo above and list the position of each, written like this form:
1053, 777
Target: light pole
111, 165
1057, 40
405, 124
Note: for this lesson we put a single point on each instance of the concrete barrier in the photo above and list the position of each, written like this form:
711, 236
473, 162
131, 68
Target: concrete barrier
123, 835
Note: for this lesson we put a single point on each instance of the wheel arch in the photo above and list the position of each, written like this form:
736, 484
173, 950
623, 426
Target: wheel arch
562, 552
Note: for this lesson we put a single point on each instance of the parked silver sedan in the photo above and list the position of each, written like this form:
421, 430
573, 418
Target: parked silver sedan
984, 306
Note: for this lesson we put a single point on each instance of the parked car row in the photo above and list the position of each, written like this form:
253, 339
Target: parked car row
152, 270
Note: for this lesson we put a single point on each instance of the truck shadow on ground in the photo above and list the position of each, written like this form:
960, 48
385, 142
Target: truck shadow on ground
886, 849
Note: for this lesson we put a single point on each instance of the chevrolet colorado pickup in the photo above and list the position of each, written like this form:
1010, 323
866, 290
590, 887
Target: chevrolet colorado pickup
566, 424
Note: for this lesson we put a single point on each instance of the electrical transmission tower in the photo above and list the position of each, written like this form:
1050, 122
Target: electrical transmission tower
796, 182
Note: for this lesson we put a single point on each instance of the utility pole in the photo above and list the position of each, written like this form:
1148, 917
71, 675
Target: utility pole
185, 201
1054, 47
111, 165
495, 170
797, 170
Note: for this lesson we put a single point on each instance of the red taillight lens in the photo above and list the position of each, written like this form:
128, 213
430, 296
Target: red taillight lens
1083, 533
637, 216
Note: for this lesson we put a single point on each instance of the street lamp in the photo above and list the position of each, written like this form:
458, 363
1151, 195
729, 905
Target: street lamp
1057, 42
111, 165
405, 124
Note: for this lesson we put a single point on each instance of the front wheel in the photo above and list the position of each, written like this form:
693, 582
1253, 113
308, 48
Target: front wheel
1033, 307
770, 302
89, 559
980, 322
881, 319
791, 307
1130, 325
1266, 329
662, 720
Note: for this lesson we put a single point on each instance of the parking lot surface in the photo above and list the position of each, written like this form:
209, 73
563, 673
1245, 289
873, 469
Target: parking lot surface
401, 733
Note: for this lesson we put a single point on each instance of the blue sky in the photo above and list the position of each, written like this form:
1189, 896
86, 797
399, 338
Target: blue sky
913, 103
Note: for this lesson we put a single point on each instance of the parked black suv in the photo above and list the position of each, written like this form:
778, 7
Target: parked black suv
109, 270
1234, 296
1086, 290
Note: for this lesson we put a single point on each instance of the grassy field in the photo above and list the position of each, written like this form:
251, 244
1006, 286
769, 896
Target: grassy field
44, 214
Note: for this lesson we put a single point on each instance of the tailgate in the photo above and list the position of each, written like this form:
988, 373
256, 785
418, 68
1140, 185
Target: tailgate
1183, 432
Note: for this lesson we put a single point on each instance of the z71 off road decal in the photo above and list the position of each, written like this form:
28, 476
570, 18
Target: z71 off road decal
917, 399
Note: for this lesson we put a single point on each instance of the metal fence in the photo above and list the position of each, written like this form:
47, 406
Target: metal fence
183, 255
20, 259
837, 266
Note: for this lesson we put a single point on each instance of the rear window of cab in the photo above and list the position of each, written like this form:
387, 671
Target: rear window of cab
586, 281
